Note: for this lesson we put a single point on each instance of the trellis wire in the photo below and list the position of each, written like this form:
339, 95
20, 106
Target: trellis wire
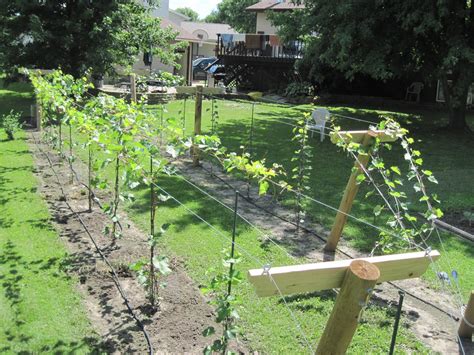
338, 250
291, 105
244, 252
115, 277
371, 122
234, 244
427, 249
232, 251
320, 201
263, 234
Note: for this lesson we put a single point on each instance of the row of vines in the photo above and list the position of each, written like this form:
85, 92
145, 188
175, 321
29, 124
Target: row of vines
140, 147
130, 138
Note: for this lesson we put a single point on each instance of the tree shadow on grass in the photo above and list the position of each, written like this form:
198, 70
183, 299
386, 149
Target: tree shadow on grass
12, 279
7, 192
300, 301
15, 266
86, 345
17, 139
203, 206
272, 140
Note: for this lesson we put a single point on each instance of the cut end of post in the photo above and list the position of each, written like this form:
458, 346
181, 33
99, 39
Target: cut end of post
365, 270
466, 327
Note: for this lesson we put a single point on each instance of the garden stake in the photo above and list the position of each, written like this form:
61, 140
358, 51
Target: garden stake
232, 250
70, 152
212, 115
60, 141
116, 187
184, 116
302, 171
38, 116
152, 234
251, 131
89, 173
116, 195
161, 126
197, 124
213, 128
397, 322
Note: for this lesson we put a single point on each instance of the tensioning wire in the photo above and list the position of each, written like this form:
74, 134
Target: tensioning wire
262, 233
242, 250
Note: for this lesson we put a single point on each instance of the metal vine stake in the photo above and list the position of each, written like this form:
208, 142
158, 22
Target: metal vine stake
302, 171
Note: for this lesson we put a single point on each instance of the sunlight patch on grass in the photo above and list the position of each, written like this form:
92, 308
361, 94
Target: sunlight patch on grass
41, 311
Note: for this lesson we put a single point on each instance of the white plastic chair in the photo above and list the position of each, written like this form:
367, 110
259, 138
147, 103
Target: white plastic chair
320, 117
414, 89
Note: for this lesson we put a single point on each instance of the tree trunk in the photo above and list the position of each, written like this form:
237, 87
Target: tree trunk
455, 94
457, 118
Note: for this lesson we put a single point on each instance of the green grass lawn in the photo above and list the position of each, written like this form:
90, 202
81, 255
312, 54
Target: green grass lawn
40, 309
266, 323
445, 153
16, 96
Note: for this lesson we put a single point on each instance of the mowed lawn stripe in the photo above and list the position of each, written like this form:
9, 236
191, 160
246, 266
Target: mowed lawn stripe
40, 309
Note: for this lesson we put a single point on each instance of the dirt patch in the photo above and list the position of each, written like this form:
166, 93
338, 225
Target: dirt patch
184, 312
435, 328
177, 327
462, 220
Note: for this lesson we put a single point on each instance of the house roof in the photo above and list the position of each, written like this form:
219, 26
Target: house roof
183, 35
209, 29
179, 14
274, 5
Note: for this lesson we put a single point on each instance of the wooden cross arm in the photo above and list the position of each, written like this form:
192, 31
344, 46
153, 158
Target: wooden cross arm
328, 275
40, 71
358, 136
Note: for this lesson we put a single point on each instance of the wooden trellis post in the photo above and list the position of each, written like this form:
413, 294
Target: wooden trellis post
38, 116
366, 139
355, 278
133, 88
465, 329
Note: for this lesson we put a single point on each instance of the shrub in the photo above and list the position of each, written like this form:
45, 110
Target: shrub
11, 124
169, 80
298, 89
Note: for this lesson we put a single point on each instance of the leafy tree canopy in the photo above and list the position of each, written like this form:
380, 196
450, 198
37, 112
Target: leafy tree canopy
78, 35
389, 39
233, 13
187, 11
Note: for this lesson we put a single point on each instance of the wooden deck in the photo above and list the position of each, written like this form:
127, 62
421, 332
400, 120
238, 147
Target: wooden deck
258, 48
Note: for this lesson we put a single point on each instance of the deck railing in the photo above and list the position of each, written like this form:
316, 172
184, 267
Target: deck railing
258, 45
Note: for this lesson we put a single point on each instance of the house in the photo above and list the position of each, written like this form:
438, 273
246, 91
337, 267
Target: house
262, 8
207, 33
201, 39
261, 60
170, 19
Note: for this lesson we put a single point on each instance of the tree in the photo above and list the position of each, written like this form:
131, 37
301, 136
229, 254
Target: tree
233, 13
78, 35
391, 39
187, 11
